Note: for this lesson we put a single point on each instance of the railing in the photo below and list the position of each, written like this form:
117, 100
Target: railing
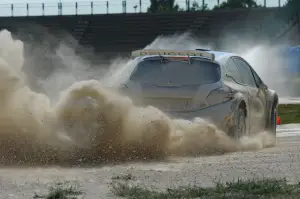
101, 7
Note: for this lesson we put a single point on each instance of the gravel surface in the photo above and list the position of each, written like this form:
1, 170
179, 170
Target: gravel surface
277, 162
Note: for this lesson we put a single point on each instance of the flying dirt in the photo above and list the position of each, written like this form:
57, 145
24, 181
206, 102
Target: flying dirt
89, 121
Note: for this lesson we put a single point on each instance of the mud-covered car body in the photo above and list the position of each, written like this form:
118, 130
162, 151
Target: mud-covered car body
218, 86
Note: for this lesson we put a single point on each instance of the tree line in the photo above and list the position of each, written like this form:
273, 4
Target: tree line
171, 6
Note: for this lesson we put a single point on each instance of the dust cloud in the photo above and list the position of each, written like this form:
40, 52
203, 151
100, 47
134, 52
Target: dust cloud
269, 65
90, 122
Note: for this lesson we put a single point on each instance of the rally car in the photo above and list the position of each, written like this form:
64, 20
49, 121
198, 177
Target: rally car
218, 86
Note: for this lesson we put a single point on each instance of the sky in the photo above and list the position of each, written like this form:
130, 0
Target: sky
99, 6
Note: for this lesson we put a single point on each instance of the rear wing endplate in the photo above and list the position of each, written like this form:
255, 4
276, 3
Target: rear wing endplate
189, 53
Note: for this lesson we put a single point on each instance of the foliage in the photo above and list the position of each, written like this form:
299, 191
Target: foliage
288, 2
163, 6
237, 4
197, 7
242, 189
171, 6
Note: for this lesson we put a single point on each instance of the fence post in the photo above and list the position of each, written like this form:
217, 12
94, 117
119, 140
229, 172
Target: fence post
124, 6
76, 8
12, 9
279, 3
188, 5
43, 9
140, 6
58, 8
107, 7
27, 9
92, 7
203, 4
265, 3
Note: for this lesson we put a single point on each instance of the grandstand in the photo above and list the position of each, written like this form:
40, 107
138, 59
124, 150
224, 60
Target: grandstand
121, 33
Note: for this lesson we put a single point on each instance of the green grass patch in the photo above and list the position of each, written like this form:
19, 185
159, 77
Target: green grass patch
248, 189
61, 191
289, 113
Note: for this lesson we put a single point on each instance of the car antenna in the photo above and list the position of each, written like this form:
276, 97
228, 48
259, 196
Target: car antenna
162, 58
189, 60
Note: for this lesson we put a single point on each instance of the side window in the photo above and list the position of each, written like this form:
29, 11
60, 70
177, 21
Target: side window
245, 71
256, 78
233, 71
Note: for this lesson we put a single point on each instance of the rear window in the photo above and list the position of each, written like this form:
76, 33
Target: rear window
176, 72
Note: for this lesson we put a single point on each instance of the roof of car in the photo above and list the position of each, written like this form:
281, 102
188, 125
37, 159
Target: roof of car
219, 54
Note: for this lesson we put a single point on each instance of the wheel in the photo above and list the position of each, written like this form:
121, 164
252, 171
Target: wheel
240, 128
273, 124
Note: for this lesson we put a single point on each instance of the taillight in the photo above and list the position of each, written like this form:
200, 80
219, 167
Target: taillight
220, 95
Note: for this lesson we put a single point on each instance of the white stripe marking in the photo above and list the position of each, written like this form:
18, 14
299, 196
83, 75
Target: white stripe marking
288, 133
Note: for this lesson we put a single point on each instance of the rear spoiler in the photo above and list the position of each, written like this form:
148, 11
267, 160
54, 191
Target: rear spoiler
189, 53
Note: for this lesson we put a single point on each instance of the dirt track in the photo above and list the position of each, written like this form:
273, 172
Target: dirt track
280, 161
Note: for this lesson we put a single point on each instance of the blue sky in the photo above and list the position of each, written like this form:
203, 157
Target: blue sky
115, 6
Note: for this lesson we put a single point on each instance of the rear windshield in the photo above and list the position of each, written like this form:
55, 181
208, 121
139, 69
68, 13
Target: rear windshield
176, 72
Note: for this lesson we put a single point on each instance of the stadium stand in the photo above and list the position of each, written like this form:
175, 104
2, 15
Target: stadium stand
121, 33
125, 32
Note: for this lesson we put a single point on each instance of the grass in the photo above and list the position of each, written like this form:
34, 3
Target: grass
289, 113
240, 189
125, 177
249, 189
61, 191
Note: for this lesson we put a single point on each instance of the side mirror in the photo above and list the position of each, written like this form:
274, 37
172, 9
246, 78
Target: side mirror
263, 86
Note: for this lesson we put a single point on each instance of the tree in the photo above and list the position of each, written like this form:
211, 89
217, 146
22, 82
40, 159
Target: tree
237, 4
163, 6
289, 2
197, 7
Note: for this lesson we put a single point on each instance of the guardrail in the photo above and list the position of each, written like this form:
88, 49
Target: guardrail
289, 100
100, 7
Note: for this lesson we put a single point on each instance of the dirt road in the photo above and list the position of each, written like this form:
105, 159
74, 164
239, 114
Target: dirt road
280, 161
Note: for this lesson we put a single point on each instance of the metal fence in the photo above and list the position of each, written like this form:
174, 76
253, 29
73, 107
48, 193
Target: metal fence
102, 7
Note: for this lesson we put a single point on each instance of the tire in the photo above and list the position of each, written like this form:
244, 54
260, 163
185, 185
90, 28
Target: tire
273, 122
240, 128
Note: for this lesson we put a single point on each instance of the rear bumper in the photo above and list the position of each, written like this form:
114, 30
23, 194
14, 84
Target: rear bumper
221, 115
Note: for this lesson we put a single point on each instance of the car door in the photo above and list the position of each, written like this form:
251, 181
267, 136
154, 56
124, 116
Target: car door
257, 96
233, 79
262, 92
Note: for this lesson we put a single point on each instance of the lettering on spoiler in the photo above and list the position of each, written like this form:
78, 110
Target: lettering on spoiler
189, 53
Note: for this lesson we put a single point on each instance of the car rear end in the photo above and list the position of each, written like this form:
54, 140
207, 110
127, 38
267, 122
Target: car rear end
181, 86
